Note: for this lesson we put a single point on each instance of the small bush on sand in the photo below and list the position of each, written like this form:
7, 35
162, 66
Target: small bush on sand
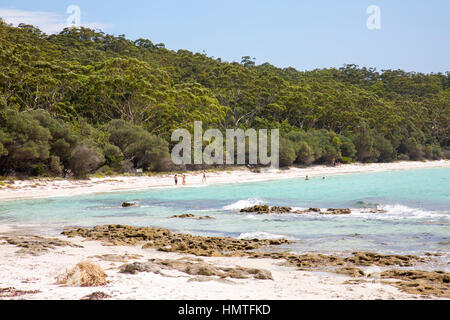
85, 274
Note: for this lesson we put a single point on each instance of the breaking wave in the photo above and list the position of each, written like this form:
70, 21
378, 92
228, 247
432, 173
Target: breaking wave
243, 204
262, 236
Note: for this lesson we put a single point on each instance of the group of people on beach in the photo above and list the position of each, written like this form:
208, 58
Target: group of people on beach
183, 177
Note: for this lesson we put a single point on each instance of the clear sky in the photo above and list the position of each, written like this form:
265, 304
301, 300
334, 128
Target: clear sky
304, 34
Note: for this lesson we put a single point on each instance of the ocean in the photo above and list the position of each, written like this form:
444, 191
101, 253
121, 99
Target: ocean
417, 218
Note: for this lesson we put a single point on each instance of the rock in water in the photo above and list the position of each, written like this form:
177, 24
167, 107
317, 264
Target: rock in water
191, 216
129, 204
265, 209
257, 208
337, 211
306, 211
280, 209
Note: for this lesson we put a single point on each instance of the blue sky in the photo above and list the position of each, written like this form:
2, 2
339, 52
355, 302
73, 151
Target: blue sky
414, 35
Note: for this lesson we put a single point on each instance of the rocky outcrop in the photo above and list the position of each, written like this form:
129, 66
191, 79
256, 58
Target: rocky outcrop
257, 209
350, 271
436, 283
196, 268
265, 209
306, 211
191, 216
35, 245
374, 210
356, 259
165, 240
117, 257
129, 204
280, 210
337, 211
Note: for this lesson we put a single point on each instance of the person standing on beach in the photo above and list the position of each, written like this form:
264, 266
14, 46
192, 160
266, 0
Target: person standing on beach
175, 178
204, 177
307, 178
184, 179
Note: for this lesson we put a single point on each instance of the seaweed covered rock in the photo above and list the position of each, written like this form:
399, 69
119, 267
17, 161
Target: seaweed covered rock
129, 204
36, 245
356, 259
191, 216
337, 211
374, 210
306, 211
257, 209
436, 283
165, 240
280, 210
265, 209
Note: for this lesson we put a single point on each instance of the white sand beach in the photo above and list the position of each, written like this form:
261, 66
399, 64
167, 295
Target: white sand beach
30, 273
44, 187
36, 275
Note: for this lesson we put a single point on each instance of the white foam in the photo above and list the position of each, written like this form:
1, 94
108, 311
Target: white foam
243, 204
262, 235
398, 211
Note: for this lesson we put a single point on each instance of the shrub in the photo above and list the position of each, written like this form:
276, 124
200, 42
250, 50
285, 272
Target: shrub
412, 149
346, 160
432, 151
305, 154
363, 141
383, 150
113, 157
348, 149
84, 160
287, 153
39, 169
55, 166
138, 146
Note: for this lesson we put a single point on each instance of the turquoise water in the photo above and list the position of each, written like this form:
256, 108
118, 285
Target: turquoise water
417, 201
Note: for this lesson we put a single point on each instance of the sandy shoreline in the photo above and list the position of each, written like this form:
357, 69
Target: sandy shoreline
30, 276
44, 188
37, 275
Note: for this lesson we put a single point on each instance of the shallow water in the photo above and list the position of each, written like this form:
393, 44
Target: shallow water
417, 201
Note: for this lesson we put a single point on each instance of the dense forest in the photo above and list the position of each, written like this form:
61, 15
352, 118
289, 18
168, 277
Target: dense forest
83, 101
